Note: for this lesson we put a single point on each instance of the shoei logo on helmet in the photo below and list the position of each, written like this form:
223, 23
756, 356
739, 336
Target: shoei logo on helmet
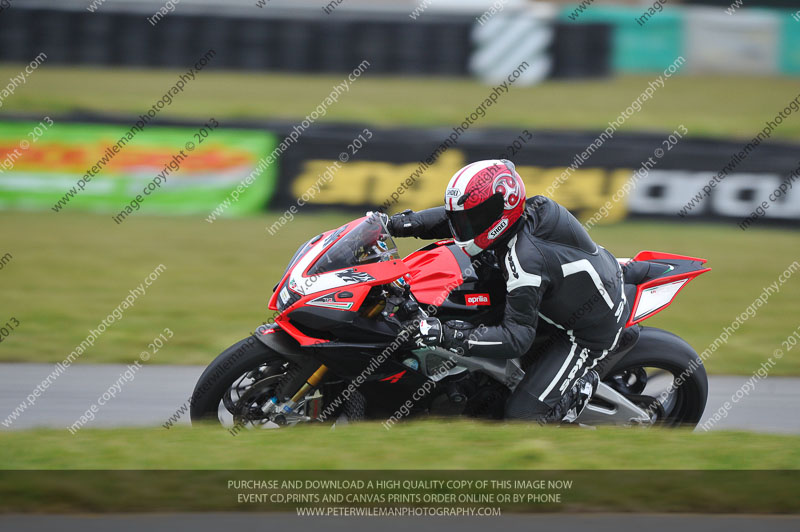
498, 229
507, 185
452, 193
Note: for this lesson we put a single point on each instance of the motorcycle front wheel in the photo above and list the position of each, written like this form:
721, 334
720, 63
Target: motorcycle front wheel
235, 386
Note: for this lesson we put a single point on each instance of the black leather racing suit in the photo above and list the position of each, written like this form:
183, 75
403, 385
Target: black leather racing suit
556, 273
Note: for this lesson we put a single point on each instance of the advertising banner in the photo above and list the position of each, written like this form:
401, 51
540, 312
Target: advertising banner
600, 177
62, 166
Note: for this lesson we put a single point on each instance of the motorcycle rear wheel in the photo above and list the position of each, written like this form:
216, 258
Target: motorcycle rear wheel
662, 355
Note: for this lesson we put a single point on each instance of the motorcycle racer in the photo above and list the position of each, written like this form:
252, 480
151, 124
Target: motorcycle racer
553, 272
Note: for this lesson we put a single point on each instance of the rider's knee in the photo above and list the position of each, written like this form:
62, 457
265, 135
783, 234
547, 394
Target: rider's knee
525, 406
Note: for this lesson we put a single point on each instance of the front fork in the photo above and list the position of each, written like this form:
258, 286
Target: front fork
287, 407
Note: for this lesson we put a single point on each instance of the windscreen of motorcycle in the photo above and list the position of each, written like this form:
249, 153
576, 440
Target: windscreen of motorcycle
366, 243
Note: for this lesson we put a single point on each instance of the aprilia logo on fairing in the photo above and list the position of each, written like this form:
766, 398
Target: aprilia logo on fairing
477, 299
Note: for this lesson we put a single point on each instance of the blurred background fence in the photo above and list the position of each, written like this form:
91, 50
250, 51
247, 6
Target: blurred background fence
443, 37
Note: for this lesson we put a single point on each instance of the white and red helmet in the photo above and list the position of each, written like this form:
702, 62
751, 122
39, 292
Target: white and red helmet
483, 201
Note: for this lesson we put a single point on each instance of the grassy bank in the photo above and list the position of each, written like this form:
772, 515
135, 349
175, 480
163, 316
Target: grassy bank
702, 104
192, 469
432, 444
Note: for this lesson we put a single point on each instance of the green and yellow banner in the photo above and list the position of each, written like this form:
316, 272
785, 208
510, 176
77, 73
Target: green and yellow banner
45, 165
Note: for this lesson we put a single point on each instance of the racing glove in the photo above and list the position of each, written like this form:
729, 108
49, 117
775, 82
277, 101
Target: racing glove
450, 335
426, 224
405, 223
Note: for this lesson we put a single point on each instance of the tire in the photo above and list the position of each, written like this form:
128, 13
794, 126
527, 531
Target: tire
240, 358
661, 349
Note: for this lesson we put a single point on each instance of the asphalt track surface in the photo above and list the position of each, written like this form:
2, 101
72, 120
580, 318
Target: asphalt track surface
507, 523
156, 392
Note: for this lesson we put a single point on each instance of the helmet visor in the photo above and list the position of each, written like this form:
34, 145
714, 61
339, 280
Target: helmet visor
469, 223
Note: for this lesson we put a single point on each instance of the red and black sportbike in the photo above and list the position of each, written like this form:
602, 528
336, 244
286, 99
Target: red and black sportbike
337, 349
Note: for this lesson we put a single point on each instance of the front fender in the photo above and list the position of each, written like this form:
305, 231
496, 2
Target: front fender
281, 342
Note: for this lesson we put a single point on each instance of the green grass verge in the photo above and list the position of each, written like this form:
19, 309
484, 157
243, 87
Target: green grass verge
181, 469
703, 104
432, 444
70, 270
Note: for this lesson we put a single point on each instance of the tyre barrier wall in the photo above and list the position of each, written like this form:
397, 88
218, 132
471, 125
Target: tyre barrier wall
295, 41
445, 38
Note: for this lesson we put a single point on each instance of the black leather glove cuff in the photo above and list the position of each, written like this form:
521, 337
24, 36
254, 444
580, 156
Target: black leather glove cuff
405, 223
455, 333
